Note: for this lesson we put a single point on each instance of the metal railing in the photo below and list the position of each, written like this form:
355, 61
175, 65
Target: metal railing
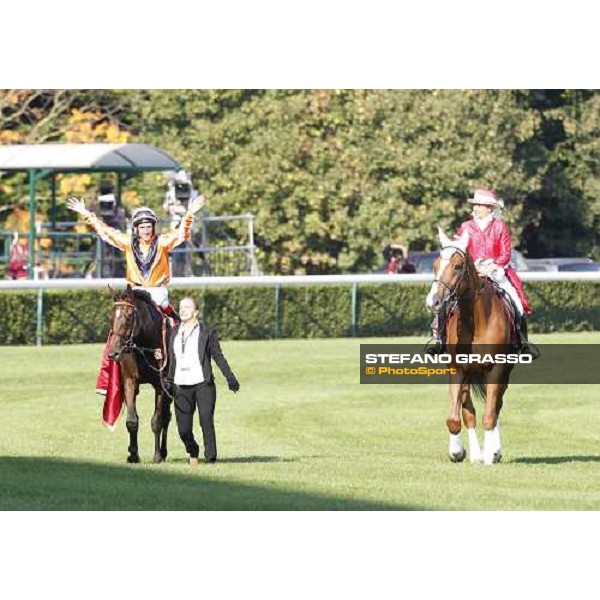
274, 281
62, 252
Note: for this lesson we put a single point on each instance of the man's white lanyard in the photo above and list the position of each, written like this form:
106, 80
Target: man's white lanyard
185, 339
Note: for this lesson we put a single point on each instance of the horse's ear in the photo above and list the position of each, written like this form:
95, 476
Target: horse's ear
463, 241
112, 292
444, 239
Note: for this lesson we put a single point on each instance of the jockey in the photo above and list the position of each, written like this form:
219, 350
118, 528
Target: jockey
490, 248
147, 258
146, 253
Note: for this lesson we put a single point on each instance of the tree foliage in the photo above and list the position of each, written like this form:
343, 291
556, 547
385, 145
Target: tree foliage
332, 176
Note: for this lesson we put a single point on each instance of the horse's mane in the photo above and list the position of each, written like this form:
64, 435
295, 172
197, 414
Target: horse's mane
143, 296
137, 295
131, 294
472, 270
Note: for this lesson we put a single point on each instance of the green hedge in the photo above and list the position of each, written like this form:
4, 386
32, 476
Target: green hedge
291, 312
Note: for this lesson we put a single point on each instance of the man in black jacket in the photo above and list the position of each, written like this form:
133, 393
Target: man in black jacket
192, 344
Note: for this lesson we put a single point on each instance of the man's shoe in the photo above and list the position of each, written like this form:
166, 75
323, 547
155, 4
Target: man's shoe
210, 461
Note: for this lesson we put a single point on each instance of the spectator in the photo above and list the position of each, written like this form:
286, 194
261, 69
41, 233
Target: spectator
192, 347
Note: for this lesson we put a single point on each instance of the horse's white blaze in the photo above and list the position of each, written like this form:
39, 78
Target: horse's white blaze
118, 313
430, 299
449, 247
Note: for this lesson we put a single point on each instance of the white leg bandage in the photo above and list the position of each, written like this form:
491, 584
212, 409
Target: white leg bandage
489, 447
455, 446
474, 448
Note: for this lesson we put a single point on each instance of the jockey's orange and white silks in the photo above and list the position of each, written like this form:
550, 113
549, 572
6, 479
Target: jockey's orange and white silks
158, 273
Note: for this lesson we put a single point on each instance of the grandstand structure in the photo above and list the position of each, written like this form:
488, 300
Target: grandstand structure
221, 245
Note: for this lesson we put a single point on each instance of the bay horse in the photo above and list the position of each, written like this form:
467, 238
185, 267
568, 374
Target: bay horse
136, 334
473, 318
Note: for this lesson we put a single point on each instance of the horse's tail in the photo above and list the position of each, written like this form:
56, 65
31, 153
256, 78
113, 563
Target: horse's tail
478, 386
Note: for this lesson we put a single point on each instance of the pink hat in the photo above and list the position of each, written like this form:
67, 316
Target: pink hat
483, 196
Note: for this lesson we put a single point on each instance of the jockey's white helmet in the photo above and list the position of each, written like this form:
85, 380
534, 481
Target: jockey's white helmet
143, 215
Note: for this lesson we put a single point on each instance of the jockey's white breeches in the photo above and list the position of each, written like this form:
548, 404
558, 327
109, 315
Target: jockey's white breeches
160, 295
498, 274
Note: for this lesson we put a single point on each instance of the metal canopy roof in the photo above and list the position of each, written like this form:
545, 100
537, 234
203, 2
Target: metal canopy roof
86, 157
41, 160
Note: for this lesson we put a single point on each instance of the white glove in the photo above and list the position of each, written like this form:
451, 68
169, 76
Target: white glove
488, 268
497, 274
78, 205
483, 266
196, 204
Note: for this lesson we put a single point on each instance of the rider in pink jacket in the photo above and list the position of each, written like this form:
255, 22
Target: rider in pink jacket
493, 242
490, 247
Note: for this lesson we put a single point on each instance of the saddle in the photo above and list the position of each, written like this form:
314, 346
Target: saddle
509, 306
165, 316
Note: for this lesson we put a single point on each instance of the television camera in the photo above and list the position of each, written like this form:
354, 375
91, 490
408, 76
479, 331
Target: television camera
179, 193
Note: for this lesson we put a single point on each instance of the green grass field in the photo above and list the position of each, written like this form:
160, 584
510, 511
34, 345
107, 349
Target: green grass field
301, 434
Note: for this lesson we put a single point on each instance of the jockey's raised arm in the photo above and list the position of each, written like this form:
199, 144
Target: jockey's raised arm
108, 234
146, 256
171, 240
146, 253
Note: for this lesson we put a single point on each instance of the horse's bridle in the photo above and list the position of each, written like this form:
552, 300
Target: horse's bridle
453, 292
129, 343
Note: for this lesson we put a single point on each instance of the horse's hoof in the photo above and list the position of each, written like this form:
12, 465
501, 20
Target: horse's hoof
133, 459
457, 457
497, 457
158, 458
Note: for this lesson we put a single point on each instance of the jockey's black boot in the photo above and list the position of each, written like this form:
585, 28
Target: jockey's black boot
435, 348
525, 346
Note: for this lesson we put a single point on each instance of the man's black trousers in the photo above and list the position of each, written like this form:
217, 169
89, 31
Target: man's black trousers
187, 398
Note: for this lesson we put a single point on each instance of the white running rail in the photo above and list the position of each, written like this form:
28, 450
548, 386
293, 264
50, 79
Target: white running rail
270, 280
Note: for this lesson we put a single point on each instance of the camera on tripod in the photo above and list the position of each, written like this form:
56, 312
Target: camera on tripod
179, 192
107, 201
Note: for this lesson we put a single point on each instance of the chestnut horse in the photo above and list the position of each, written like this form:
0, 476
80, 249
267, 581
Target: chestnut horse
136, 335
473, 318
